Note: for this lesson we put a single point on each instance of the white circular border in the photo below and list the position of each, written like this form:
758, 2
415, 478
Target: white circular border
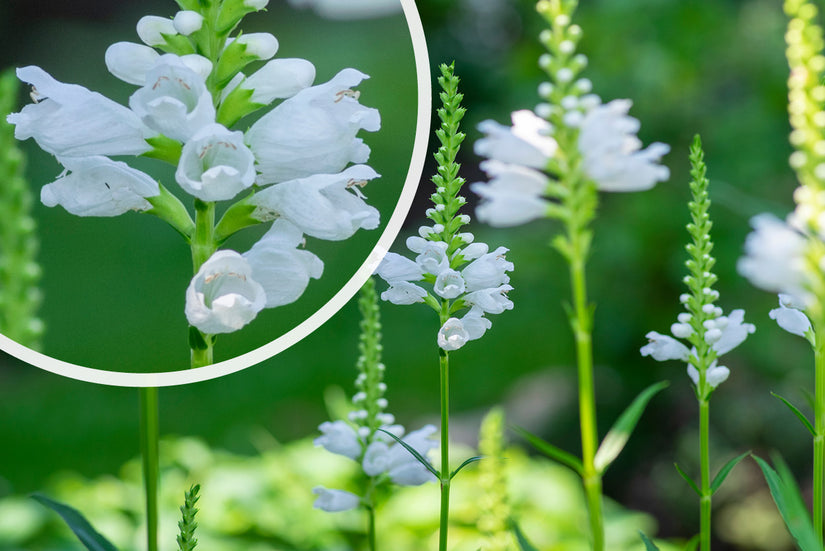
422, 131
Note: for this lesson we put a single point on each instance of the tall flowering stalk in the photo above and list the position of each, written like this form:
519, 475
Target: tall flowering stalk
464, 275
709, 333
494, 510
551, 163
787, 257
20, 295
367, 435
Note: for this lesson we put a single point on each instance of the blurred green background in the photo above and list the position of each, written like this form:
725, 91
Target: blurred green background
715, 67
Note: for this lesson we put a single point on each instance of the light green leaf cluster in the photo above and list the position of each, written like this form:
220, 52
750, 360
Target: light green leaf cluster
187, 525
494, 510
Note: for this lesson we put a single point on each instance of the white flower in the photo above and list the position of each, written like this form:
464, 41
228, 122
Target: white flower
512, 196
187, 22
151, 28
475, 323
449, 284
215, 165
394, 267
526, 143
733, 331
68, 120
174, 99
313, 131
492, 301
130, 62
473, 251
790, 317
222, 296
715, 375
611, 150
663, 348
278, 79
376, 458
432, 255
775, 258
339, 437
326, 206
282, 269
351, 9
335, 501
404, 293
489, 270
98, 186
259, 45
452, 335
403, 468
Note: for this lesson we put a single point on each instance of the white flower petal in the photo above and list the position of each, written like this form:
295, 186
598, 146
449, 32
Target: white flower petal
790, 319
335, 501
452, 335
492, 301
215, 165
260, 45
130, 62
526, 143
403, 293
187, 22
278, 79
475, 323
733, 333
489, 270
151, 28
395, 267
663, 348
339, 437
449, 284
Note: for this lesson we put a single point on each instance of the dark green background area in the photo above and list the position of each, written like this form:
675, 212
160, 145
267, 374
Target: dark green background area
710, 66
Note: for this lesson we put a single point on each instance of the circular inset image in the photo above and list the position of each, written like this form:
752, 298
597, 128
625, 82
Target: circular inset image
212, 187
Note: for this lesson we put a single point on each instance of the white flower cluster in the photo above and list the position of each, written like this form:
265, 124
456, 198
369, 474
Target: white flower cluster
519, 155
293, 159
722, 333
481, 286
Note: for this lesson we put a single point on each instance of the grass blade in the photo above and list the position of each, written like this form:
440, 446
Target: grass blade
692, 544
551, 451
725, 471
796, 412
619, 434
467, 462
688, 480
523, 544
415, 454
88, 536
649, 545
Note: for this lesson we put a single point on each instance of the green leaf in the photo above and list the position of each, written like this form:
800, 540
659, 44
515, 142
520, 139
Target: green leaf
617, 437
551, 451
796, 412
84, 531
523, 544
649, 545
688, 480
467, 462
415, 454
692, 544
725, 471
788, 500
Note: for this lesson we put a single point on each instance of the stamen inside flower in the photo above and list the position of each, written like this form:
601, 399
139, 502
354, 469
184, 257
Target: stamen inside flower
348, 93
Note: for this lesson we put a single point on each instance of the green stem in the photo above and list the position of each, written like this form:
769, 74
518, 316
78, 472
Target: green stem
203, 246
819, 430
149, 434
444, 362
704, 501
582, 327
371, 532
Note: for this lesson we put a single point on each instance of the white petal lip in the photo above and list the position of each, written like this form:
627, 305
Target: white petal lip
130, 62
525, 143
790, 319
340, 438
663, 348
278, 79
395, 267
215, 165
404, 293
734, 333
98, 186
71, 121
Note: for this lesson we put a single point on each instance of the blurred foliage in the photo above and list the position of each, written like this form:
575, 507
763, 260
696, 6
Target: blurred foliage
715, 67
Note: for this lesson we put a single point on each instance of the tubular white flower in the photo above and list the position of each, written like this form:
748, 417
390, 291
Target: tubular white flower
151, 28
452, 335
68, 120
278, 79
283, 270
789, 318
775, 258
98, 186
222, 296
313, 131
376, 458
261, 45
395, 267
611, 150
489, 270
339, 437
473, 251
449, 284
663, 348
526, 143
432, 255
492, 301
174, 100
130, 62
326, 206
475, 323
215, 165
734, 331
512, 196
335, 501
404, 293
187, 22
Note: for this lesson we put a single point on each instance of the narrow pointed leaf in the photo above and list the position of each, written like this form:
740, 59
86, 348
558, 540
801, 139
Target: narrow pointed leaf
725, 471
421, 458
796, 412
467, 462
551, 451
649, 545
88, 536
692, 544
523, 544
618, 436
688, 480
788, 500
